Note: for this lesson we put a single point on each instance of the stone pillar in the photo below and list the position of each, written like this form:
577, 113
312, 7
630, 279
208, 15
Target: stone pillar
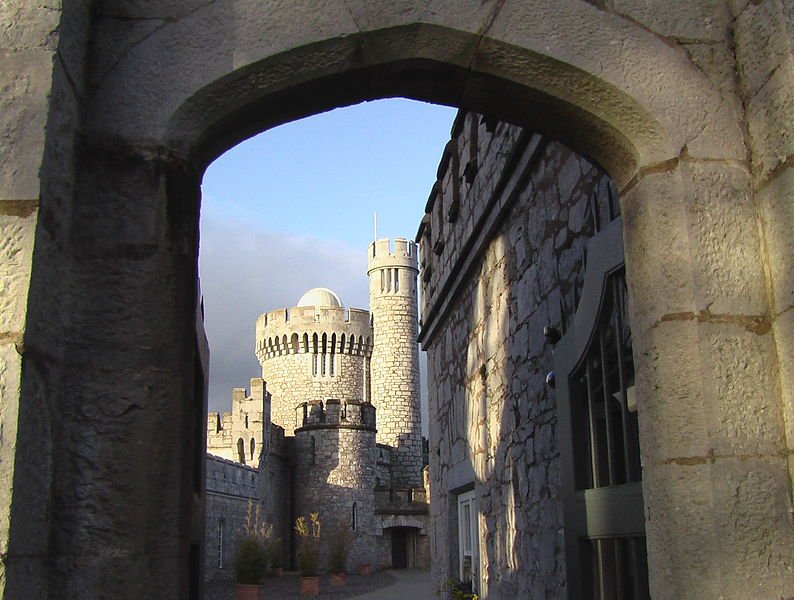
395, 355
715, 478
113, 500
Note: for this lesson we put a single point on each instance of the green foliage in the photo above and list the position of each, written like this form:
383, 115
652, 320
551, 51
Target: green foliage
338, 550
308, 544
252, 550
455, 589
250, 560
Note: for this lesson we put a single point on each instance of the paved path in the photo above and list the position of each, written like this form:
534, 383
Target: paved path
411, 584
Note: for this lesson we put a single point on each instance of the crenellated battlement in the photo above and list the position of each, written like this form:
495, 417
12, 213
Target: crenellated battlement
309, 329
382, 255
331, 413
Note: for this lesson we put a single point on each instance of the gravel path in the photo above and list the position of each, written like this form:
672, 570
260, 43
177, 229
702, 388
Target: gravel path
288, 587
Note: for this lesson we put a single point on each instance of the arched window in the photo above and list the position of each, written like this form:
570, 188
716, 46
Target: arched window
294, 349
253, 447
354, 520
325, 355
221, 523
246, 421
241, 451
312, 450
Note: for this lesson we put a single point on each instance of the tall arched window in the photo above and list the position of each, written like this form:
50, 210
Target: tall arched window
220, 542
312, 450
253, 447
354, 520
241, 451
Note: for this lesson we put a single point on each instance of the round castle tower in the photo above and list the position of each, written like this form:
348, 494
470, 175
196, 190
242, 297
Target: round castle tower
335, 454
317, 349
395, 354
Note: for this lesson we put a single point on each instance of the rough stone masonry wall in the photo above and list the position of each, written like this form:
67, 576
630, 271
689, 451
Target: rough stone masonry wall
494, 419
687, 104
231, 488
290, 382
341, 471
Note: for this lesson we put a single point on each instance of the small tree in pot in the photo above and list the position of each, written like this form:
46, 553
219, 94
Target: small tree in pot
309, 553
338, 549
251, 555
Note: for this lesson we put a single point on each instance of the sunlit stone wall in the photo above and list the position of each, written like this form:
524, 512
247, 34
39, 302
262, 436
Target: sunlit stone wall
494, 419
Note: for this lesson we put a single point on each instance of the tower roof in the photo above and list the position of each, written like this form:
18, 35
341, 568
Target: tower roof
320, 297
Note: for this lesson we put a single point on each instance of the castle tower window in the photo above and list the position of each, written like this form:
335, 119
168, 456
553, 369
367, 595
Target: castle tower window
246, 421
396, 280
253, 447
354, 522
241, 451
220, 542
313, 450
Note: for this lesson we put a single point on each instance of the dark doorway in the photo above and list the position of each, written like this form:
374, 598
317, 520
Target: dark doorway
399, 548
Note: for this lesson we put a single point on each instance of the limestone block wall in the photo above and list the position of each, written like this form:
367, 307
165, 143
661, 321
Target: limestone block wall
230, 488
335, 469
395, 354
494, 424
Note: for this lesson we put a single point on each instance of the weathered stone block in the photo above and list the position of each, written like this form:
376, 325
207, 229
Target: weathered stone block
704, 20
24, 89
776, 209
16, 251
772, 144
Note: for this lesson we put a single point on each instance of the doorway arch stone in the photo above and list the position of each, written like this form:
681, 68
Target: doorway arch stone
144, 95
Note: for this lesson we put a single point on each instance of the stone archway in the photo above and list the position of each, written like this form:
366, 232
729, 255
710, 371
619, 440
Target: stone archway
109, 359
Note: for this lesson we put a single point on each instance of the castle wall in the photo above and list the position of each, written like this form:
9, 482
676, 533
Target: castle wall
335, 468
494, 419
230, 488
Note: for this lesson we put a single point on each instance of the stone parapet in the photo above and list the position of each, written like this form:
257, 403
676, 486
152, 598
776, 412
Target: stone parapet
335, 413
309, 329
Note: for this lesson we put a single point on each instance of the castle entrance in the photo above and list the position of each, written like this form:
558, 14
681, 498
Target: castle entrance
403, 547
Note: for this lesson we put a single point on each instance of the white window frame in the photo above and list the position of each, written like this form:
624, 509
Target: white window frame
468, 539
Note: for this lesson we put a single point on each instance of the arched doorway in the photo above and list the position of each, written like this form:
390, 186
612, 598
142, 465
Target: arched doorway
112, 336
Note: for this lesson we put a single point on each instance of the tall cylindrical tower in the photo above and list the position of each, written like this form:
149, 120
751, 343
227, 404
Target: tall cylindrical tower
394, 365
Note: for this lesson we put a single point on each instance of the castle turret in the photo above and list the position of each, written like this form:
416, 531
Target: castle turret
334, 460
395, 355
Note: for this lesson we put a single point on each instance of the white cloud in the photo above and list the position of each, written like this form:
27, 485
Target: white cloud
246, 272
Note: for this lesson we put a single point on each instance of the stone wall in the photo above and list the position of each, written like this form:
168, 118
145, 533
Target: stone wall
231, 489
487, 356
688, 105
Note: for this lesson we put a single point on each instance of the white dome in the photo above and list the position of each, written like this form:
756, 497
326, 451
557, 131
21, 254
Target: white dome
320, 297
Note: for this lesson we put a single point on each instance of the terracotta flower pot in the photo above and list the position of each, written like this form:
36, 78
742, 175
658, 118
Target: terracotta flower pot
247, 592
365, 569
338, 578
310, 586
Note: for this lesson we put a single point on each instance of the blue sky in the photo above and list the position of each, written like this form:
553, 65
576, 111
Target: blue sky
292, 208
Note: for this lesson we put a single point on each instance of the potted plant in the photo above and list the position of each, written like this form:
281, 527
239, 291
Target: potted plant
276, 562
337, 556
308, 553
250, 556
